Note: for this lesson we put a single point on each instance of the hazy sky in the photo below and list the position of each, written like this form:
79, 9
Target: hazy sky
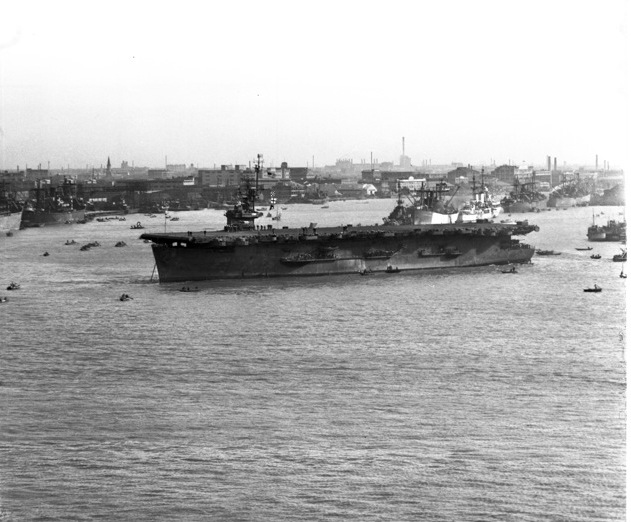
218, 82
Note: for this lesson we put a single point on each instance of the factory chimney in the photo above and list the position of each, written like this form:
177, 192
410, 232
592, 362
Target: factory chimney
596, 161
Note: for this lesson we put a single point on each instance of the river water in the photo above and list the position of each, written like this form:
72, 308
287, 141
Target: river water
455, 395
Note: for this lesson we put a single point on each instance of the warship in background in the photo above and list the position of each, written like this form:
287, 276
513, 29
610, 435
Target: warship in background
570, 193
525, 197
481, 207
427, 206
246, 250
53, 206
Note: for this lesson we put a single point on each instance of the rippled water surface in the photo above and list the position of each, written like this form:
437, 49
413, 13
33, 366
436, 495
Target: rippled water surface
455, 395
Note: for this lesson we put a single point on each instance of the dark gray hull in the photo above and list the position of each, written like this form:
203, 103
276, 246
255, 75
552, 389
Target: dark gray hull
38, 218
284, 253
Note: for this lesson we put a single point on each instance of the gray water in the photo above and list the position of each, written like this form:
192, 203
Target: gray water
455, 395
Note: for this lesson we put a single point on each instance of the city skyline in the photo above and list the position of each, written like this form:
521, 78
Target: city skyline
462, 82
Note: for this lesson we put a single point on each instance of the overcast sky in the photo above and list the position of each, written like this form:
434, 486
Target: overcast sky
207, 83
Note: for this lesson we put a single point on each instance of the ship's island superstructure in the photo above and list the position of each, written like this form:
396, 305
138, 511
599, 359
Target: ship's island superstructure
244, 250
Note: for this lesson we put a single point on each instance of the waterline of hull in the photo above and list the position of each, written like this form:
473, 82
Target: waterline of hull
260, 261
37, 219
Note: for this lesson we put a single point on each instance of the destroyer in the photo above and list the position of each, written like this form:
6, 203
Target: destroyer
245, 250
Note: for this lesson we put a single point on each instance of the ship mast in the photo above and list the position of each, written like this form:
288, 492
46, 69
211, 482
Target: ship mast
257, 169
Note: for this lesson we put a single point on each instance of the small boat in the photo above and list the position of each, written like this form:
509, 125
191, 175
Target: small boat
584, 248
622, 257
137, 226
125, 297
88, 246
365, 272
540, 252
623, 275
175, 219
3, 299
595, 256
189, 289
511, 270
13, 286
595, 288
392, 270
120, 244
70, 242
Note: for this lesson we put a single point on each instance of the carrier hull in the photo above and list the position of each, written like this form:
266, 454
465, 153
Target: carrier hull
331, 251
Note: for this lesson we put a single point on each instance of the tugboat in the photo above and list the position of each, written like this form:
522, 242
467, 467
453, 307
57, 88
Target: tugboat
612, 231
622, 256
